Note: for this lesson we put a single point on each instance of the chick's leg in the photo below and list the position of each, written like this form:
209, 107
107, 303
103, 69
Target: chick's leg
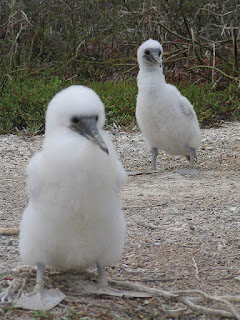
154, 158
40, 278
192, 156
191, 170
40, 298
102, 275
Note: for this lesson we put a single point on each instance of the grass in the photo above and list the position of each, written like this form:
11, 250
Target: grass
24, 101
213, 105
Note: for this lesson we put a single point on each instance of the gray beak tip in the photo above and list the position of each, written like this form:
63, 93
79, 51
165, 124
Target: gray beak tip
86, 126
105, 149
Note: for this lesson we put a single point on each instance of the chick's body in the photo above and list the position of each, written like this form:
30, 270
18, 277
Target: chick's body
74, 215
166, 118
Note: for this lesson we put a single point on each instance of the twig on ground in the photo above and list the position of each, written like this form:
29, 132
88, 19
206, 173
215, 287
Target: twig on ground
204, 296
196, 268
205, 310
147, 225
186, 300
9, 231
176, 296
138, 173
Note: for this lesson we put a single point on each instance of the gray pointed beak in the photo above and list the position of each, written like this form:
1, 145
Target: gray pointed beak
154, 60
87, 127
153, 56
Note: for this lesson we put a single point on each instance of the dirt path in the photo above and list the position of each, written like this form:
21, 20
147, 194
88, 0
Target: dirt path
183, 232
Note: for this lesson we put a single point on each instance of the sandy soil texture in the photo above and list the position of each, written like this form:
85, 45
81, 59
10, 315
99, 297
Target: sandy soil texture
183, 232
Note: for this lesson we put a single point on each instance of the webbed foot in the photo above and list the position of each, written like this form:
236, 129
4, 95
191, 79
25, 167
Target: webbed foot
187, 171
44, 300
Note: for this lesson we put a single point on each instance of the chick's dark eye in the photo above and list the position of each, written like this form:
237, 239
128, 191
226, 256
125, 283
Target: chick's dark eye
159, 53
75, 120
96, 118
147, 52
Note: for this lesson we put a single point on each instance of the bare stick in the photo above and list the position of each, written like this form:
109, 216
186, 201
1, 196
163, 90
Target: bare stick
218, 70
176, 296
205, 310
224, 299
196, 268
213, 62
9, 231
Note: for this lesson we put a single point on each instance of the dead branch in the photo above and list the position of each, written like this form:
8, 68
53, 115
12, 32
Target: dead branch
137, 173
9, 231
205, 310
186, 300
204, 296
216, 69
176, 296
229, 298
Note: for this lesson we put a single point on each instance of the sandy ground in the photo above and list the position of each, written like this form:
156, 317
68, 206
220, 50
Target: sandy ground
182, 231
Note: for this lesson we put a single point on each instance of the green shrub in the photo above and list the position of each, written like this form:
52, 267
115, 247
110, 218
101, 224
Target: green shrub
213, 105
119, 99
24, 100
23, 104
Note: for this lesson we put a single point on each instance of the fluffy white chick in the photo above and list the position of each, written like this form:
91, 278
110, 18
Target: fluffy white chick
73, 217
166, 118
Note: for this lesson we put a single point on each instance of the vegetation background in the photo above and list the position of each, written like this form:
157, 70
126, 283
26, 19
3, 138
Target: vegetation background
46, 45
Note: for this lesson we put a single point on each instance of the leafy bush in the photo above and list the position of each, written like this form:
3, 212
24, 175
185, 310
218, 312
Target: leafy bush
24, 101
212, 105
98, 39
119, 99
23, 104
73, 41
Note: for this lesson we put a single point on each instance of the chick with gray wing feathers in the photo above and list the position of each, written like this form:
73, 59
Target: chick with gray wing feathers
166, 118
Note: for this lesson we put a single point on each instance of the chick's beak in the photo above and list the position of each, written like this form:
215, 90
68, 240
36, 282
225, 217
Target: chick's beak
154, 56
87, 127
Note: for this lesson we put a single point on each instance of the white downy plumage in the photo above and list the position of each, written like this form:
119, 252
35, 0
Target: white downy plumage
74, 216
166, 118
